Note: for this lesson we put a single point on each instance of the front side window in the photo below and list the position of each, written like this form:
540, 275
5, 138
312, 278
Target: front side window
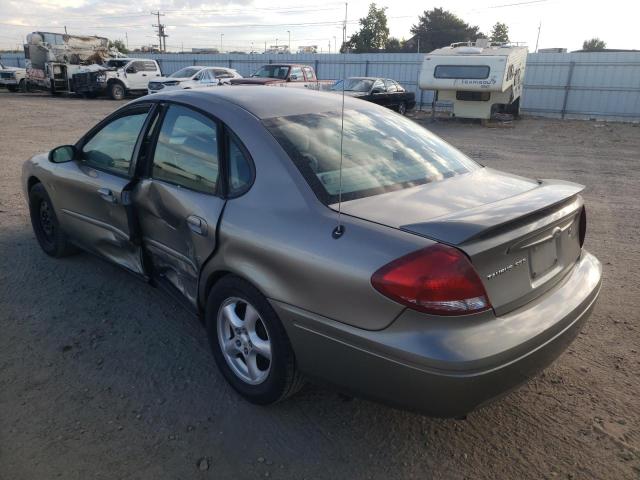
187, 151
382, 152
310, 74
391, 86
296, 73
379, 85
475, 72
112, 147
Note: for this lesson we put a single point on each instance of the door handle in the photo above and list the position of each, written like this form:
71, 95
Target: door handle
144, 74
197, 225
107, 195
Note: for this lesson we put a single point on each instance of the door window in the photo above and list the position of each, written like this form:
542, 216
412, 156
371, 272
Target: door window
296, 74
112, 147
378, 85
309, 74
187, 151
391, 86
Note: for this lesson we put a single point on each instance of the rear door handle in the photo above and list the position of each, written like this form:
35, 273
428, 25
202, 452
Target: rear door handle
107, 195
197, 225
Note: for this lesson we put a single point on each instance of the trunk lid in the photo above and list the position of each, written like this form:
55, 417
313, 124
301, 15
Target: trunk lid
521, 235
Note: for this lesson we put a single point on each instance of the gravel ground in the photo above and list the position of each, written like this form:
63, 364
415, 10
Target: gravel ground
102, 376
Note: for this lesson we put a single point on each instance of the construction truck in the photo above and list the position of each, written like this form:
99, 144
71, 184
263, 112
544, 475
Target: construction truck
84, 65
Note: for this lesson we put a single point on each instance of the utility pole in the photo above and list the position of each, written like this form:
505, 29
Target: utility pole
65, 30
344, 27
418, 44
221, 35
329, 46
538, 37
126, 36
289, 32
335, 45
161, 35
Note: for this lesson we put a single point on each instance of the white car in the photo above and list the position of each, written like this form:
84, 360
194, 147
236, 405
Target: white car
13, 78
193, 77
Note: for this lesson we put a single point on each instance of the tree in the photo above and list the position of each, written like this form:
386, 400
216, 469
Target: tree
119, 45
500, 33
438, 28
594, 45
393, 45
373, 33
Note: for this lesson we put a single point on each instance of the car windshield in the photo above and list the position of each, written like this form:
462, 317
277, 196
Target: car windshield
272, 71
382, 152
187, 72
354, 85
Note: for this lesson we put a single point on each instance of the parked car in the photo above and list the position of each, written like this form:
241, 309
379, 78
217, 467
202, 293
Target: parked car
440, 286
285, 75
13, 78
193, 77
117, 78
383, 91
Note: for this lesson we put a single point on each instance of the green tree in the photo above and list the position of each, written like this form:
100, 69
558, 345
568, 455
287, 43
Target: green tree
500, 33
393, 45
119, 45
594, 45
373, 33
438, 28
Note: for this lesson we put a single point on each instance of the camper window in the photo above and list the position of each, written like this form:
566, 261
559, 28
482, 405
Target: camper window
462, 71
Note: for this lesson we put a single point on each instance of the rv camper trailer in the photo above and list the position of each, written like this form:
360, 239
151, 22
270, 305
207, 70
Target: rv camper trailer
477, 78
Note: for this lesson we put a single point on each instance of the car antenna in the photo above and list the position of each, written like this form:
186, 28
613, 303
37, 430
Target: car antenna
339, 230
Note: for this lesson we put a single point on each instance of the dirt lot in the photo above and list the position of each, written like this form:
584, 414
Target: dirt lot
102, 376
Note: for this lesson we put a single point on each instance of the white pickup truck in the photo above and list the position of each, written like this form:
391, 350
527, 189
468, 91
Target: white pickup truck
13, 78
116, 78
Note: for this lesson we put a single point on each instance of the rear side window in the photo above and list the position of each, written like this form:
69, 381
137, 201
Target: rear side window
240, 167
382, 152
186, 153
477, 72
111, 148
296, 73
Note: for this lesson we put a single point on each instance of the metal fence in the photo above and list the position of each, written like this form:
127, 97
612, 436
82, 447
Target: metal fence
600, 85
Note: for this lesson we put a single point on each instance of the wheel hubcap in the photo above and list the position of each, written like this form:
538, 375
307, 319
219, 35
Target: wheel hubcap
402, 108
244, 341
45, 219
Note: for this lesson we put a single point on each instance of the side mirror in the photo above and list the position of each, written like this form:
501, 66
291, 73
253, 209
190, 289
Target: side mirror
62, 154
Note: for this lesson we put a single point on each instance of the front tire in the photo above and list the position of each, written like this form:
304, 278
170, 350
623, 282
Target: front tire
117, 91
45, 224
402, 108
12, 88
249, 344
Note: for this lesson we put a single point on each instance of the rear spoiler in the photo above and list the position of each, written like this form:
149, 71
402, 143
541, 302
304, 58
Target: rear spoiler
463, 226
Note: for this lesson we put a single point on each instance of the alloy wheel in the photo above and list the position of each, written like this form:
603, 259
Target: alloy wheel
46, 220
244, 340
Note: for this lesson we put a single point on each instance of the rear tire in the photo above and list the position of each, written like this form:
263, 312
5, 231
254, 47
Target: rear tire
45, 224
235, 339
402, 108
117, 91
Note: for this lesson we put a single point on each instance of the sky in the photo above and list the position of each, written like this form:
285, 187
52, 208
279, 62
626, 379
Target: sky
249, 24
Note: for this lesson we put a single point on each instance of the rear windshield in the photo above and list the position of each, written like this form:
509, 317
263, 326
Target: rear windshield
382, 151
273, 71
462, 71
187, 72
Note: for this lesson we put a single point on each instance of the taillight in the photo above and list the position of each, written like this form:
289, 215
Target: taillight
582, 228
439, 280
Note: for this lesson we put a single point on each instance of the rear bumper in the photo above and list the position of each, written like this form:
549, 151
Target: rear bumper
445, 366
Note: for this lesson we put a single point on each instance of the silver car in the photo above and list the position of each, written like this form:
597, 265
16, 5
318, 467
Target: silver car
441, 285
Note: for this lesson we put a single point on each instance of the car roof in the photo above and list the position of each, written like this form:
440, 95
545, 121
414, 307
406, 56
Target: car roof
264, 101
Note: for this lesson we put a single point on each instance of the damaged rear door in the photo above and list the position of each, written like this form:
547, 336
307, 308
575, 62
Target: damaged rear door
180, 199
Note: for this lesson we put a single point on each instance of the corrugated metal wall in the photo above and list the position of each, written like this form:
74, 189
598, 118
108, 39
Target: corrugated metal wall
565, 85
